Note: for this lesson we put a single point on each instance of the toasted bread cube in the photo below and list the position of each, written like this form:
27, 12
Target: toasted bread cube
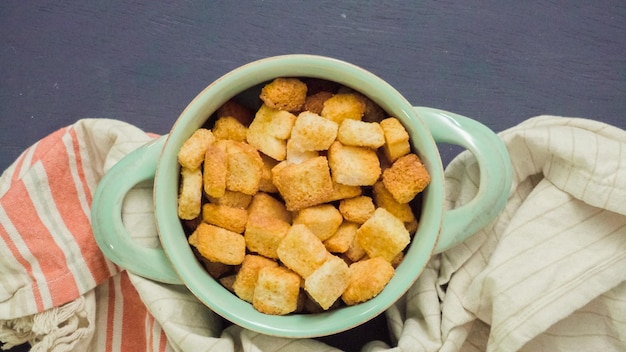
373, 112
342, 239
276, 291
230, 218
246, 278
296, 156
306, 184
218, 244
315, 102
269, 130
367, 279
236, 110
244, 167
406, 178
326, 284
266, 184
343, 106
232, 199
214, 171
302, 251
355, 252
264, 234
190, 193
323, 220
384, 199
284, 93
383, 235
361, 134
191, 153
357, 209
341, 191
353, 166
228, 127
311, 132
396, 138
264, 204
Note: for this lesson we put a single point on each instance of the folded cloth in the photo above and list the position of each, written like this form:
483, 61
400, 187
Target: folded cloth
548, 274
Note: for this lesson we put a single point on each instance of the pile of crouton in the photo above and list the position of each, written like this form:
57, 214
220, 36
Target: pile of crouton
304, 204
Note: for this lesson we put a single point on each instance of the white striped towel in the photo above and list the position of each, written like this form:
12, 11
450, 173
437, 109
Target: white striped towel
548, 274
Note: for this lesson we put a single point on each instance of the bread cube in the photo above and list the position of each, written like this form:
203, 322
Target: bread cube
284, 93
246, 278
191, 153
342, 239
396, 138
384, 199
328, 282
302, 185
315, 102
269, 131
228, 127
264, 234
214, 171
295, 155
341, 191
190, 193
244, 167
236, 110
357, 209
367, 279
361, 134
266, 184
406, 178
265, 205
230, 218
218, 244
343, 106
311, 132
355, 252
302, 251
276, 291
353, 166
323, 220
232, 199
383, 235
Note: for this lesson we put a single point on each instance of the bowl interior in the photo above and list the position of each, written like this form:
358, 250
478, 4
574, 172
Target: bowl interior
212, 293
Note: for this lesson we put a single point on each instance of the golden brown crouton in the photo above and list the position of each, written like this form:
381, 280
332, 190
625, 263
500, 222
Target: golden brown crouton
341, 191
384, 199
357, 209
361, 134
244, 167
232, 199
302, 185
342, 239
284, 93
383, 235
323, 220
315, 102
343, 106
192, 152
230, 218
214, 171
354, 252
301, 251
228, 127
246, 278
264, 234
406, 178
312, 132
276, 291
367, 279
269, 131
396, 138
264, 204
326, 284
353, 166
190, 193
218, 244
236, 110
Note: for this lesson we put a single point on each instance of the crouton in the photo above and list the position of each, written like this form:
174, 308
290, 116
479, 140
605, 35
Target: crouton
228, 127
302, 251
353, 166
384, 199
269, 131
312, 132
383, 235
341, 240
357, 209
354, 252
230, 218
190, 193
191, 153
218, 244
323, 220
396, 138
284, 93
341, 191
214, 171
266, 184
232, 199
295, 155
328, 282
276, 291
236, 110
406, 178
264, 204
367, 279
315, 102
361, 134
244, 167
264, 234
246, 278
302, 185
343, 106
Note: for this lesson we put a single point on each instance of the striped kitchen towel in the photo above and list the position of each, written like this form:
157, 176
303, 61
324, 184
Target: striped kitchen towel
548, 274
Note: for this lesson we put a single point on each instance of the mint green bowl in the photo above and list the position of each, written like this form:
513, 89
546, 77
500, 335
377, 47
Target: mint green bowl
175, 263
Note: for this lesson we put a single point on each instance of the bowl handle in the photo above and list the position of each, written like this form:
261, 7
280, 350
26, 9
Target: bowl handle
106, 220
496, 173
